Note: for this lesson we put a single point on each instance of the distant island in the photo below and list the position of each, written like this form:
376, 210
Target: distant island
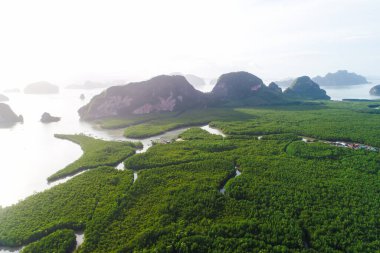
41, 88
340, 78
375, 90
174, 94
3, 98
47, 118
7, 116
12, 90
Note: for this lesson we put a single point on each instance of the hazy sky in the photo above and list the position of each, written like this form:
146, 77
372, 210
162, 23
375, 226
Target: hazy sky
71, 41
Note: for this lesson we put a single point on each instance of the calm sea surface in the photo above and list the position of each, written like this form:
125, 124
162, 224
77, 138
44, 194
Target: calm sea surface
355, 91
29, 153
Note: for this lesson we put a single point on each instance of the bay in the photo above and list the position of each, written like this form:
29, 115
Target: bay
29, 153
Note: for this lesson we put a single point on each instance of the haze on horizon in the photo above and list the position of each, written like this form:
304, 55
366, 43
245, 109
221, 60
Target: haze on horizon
66, 42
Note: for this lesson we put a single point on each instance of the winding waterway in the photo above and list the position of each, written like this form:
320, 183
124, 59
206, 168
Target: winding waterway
25, 147
30, 152
79, 236
213, 130
223, 189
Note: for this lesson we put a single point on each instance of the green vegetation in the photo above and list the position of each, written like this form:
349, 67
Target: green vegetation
95, 153
185, 119
159, 202
282, 202
115, 123
329, 121
60, 241
315, 150
290, 197
70, 205
198, 134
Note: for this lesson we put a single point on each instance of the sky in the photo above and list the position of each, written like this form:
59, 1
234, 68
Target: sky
67, 42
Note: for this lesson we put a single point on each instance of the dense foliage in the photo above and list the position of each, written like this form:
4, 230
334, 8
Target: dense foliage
179, 152
187, 118
95, 153
331, 121
69, 205
283, 201
164, 93
60, 241
159, 201
115, 122
197, 133
291, 196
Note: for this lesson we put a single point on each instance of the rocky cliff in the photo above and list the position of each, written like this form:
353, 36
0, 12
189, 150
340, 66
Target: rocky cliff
304, 88
275, 88
237, 85
243, 88
159, 94
174, 93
